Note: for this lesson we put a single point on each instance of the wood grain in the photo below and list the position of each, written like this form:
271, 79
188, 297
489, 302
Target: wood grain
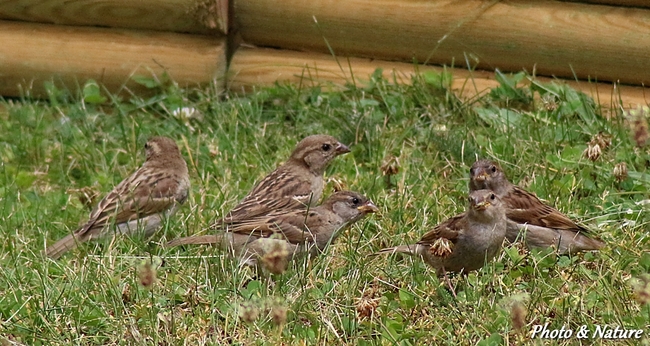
68, 55
628, 3
191, 16
551, 38
258, 67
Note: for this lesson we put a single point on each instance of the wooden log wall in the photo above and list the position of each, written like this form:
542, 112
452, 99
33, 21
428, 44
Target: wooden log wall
260, 67
551, 38
36, 53
189, 16
111, 40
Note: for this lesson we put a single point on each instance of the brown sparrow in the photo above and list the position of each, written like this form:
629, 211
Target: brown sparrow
543, 225
465, 242
139, 202
295, 184
298, 231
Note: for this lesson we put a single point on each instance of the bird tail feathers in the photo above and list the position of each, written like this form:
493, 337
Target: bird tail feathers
195, 240
62, 246
411, 249
580, 242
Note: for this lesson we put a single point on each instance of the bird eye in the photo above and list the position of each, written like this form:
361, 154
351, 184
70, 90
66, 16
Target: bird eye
356, 200
493, 169
492, 196
326, 147
471, 171
147, 146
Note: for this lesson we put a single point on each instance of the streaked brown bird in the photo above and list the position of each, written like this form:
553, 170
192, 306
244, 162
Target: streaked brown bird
539, 225
140, 202
294, 185
297, 232
465, 242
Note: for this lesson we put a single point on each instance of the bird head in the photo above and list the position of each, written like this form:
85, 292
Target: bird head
160, 146
317, 151
482, 199
350, 206
485, 174
485, 204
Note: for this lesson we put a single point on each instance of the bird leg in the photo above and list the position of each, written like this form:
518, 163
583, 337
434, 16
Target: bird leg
451, 287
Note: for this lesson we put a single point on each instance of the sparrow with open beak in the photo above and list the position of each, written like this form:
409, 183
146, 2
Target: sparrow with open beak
538, 224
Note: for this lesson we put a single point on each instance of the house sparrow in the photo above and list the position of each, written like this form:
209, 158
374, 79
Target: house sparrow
295, 184
139, 202
465, 242
543, 225
296, 232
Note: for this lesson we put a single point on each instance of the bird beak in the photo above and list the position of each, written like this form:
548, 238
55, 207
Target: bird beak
481, 177
482, 205
342, 148
369, 207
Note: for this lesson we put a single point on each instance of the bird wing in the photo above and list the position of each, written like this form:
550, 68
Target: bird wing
142, 194
524, 207
293, 226
280, 190
449, 229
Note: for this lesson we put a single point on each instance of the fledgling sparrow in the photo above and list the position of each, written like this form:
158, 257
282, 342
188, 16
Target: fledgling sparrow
294, 185
298, 231
465, 242
543, 225
140, 202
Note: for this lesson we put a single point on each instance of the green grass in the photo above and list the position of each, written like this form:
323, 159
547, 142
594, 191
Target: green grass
95, 294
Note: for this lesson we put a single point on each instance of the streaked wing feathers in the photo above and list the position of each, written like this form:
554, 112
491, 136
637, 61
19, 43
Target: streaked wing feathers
449, 229
292, 226
526, 208
142, 194
280, 190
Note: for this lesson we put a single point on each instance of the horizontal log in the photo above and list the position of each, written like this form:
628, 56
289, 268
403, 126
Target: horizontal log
551, 38
258, 67
32, 54
628, 3
191, 16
